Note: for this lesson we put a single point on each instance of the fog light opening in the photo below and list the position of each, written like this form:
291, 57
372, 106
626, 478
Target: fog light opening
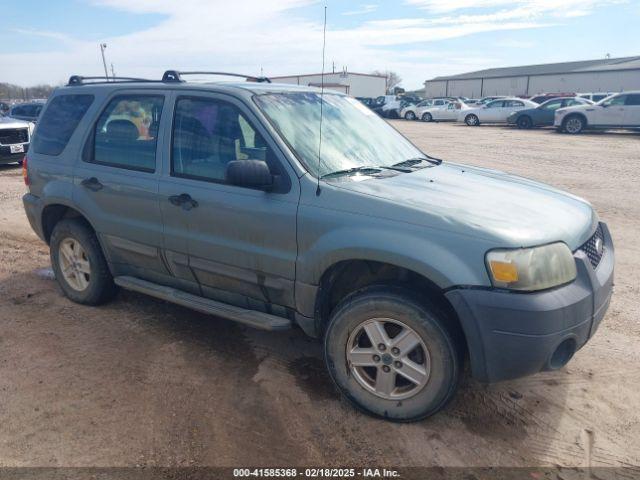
562, 354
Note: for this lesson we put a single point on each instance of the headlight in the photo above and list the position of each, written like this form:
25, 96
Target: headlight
533, 268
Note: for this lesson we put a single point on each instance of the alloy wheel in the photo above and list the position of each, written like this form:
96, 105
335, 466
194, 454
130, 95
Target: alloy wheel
388, 358
74, 264
573, 125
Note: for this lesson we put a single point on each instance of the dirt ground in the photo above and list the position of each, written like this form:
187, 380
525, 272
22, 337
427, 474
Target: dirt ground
142, 382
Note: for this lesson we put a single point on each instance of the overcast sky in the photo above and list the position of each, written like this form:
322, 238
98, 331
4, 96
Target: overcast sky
45, 41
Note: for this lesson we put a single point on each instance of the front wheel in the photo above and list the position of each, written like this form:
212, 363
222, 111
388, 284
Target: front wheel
472, 120
427, 117
573, 124
524, 122
78, 263
409, 116
391, 355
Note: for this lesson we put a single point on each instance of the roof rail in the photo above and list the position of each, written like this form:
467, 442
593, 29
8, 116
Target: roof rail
79, 80
176, 76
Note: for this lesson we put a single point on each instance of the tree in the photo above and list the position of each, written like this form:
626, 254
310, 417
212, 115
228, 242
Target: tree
393, 79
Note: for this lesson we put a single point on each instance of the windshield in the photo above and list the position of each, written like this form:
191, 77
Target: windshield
352, 135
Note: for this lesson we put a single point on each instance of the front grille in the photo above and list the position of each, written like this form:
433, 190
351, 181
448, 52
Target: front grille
590, 247
9, 136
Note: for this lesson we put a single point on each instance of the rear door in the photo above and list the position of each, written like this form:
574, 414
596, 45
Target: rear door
241, 242
632, 110
116, 182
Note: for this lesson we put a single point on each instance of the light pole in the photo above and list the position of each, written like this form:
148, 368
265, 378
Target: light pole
104, 62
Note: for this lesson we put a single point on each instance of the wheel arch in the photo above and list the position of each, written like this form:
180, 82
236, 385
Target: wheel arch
576, 114
345, 277
57, 211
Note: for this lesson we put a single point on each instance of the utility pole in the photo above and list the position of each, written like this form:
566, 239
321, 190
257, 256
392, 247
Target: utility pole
104, 62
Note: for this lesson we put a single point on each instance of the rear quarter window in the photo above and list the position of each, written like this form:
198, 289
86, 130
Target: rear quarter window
59, 121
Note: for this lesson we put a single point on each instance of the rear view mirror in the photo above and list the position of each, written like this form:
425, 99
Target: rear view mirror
249, 174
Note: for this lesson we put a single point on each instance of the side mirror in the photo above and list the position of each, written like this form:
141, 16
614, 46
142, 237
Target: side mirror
249, 174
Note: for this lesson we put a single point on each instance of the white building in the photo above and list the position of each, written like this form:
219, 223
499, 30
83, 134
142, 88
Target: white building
351, 83
604, 75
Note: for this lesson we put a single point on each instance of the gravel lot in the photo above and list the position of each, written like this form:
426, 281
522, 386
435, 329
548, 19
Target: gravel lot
142, 382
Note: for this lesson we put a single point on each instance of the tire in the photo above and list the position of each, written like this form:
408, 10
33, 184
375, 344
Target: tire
427, 117
409, 116
92, 288
437, 361
472, 120
574, 124
524, 122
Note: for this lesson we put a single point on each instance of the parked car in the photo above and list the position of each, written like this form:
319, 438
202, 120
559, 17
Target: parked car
595, 97
404, 265
26, 111
543, 114
410, 111
448, 112
618, 111
485, 100
422, 113
496, 111
369, 102
4, 108
543, 97
14, 140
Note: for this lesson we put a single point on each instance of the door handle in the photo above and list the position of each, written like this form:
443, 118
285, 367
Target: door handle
92, 184
183, 200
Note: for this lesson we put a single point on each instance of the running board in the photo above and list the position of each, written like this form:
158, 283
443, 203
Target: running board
252, 318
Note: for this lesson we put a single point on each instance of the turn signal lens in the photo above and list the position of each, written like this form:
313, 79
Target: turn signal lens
503, 271
25, 172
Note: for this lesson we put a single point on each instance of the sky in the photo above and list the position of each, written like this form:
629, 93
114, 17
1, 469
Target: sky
46, 41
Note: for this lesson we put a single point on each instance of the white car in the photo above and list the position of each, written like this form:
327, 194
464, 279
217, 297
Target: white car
438, 103
496, 111
617, 111
449, 112
409, 112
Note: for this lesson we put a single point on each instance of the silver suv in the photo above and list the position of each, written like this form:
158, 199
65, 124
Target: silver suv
280, 205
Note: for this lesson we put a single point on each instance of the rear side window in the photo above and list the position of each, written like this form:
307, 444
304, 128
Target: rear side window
126, 133
633, 99
58, 123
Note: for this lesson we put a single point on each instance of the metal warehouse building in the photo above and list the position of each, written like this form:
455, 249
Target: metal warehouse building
354, 84
604, 75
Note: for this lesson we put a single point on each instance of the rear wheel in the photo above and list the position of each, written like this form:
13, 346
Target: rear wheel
472, 120
524, 122
574, 124
78, 263
427, 117
410, 116
391, 355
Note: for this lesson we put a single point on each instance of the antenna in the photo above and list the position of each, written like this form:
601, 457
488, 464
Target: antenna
324, 43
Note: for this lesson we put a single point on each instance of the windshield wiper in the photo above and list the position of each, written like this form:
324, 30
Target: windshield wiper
348, 171
415, 161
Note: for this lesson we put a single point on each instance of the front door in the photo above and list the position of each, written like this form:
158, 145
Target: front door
241, 242
116, 183
632, 110
610, 112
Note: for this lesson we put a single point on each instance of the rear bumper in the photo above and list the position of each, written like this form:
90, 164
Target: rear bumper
512, 335
33, 209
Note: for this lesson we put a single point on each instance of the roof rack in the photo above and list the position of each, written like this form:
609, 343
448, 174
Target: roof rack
176, 76
79, 80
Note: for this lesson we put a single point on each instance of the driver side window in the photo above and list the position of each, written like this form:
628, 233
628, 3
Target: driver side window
619, 100
208, 134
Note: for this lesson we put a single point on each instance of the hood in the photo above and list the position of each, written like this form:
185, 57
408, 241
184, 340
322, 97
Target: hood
509, 210
8, 122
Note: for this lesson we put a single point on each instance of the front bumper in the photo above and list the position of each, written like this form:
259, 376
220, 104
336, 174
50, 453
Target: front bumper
512, 335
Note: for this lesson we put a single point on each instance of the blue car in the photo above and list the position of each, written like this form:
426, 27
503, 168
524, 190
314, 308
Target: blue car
543, 114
